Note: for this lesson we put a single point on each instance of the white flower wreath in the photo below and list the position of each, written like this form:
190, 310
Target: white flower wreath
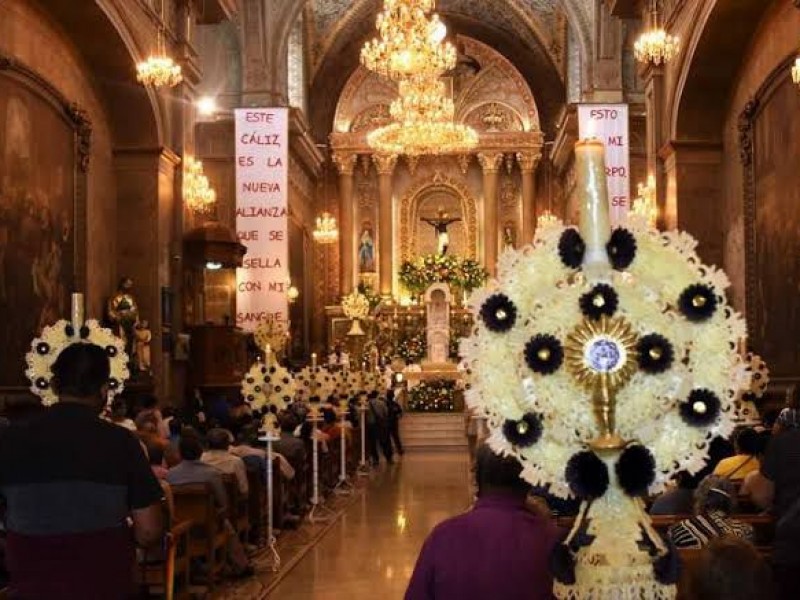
54, 339
264, 386
546, 294
314, 382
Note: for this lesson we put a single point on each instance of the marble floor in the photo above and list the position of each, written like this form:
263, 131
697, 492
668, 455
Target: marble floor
370, 553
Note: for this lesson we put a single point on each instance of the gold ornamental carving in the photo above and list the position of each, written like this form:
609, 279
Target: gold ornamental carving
385, 163
409, 211
528, 161
490, 161
345, 163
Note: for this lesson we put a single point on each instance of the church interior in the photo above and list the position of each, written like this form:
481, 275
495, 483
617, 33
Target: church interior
381, 252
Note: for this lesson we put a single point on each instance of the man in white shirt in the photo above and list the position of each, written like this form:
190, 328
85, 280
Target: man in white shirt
219, 457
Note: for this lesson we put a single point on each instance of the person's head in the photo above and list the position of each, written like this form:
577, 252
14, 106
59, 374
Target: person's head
793, 397
288, 422
147, 423
686, 481
495, 473
80, 374
715, 493
219, 439
118, 409
175, 426
148, 402
156, 454
328, 416
747, 441
190, 447
729, 568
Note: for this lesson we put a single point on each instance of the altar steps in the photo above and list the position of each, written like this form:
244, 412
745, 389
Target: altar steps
433, 432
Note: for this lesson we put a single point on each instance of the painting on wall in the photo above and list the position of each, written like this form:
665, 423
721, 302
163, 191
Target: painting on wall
37, 218
366, 248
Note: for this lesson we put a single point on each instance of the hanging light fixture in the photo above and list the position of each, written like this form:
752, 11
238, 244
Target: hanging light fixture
409, 43
645, 204
159, 70
326, 231
655, 46
198, 194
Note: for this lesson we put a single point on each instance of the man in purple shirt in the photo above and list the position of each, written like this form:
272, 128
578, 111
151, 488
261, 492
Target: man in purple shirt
498, 549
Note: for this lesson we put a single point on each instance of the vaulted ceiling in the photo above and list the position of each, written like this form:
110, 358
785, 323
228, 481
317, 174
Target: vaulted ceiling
530, 33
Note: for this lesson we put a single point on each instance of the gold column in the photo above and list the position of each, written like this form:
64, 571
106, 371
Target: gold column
655, 109
491, 166
385, 164
346, 163
527, 164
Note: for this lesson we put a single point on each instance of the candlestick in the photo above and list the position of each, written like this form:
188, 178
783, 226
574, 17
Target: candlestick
595, 224
77, 315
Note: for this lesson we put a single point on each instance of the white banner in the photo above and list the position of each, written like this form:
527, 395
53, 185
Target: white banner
609, 122
262, 195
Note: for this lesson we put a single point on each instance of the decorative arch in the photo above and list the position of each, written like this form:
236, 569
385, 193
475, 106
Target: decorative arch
423, 189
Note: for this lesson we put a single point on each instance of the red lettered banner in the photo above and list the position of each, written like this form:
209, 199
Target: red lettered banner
609, 123
262, 182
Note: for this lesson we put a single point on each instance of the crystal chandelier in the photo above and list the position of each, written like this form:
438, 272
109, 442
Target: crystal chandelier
326, 231
645, 205
409, 43
547, 219
198, 194
655, 46
796, 71
159, 70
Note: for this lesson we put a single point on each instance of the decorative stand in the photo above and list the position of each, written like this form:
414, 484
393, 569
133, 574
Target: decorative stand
272, 544
363, 469
343, 487
317, 505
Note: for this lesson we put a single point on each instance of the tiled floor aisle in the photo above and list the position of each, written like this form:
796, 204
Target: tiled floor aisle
371, 552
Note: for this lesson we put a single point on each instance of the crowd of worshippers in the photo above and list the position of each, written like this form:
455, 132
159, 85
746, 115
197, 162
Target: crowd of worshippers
86, 496
735, 525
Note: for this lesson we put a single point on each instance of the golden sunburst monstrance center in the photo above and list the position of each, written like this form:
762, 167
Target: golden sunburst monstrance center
601, 356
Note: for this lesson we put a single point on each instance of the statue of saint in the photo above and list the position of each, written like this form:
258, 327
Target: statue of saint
123, 312
143, 339
366, 251
440, 225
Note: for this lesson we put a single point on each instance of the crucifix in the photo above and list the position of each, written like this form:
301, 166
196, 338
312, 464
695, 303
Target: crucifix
440, 225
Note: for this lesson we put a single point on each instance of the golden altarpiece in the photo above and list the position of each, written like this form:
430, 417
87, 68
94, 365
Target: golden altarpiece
385, 200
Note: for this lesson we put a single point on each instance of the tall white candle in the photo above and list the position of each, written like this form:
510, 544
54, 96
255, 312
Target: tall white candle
77, 316
268, 357
595, 223
314, 359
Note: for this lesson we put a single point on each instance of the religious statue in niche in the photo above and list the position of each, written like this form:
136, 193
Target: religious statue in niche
366, 249
143, 338
123, 314
440, 225
509, 236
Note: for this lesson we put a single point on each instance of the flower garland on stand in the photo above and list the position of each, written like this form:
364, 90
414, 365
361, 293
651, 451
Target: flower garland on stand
464, 273
264, 386
55, 338
436, 396
412, 349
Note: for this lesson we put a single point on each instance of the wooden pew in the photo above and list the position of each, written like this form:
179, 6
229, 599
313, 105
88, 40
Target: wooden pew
208, 536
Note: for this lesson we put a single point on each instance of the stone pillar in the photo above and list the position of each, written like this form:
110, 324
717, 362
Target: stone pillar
654, 105
346, 163
490, 163
145, 233
527, 164
385, 164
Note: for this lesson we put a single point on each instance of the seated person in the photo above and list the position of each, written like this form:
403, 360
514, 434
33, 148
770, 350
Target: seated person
119, 415
728, 568
678, 500
256, 458
156, 456
715, 501
289, 446
745, 461
147, 431
498, 549
789, 417
193, 470
219, 456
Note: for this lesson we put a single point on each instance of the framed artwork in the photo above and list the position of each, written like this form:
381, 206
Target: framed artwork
44, 156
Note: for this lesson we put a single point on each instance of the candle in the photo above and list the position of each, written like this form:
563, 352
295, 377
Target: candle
595, 224
314, 359
269, 355
77, 315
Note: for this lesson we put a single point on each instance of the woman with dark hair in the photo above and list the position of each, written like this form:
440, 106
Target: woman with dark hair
790, 415
714, 502
729, 568
745, 461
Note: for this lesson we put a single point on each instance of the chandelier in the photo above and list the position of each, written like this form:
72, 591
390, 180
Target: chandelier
409, 43
547, 219
198, 194
159, 70
655, 46
796, 71
645, 205
326, 231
